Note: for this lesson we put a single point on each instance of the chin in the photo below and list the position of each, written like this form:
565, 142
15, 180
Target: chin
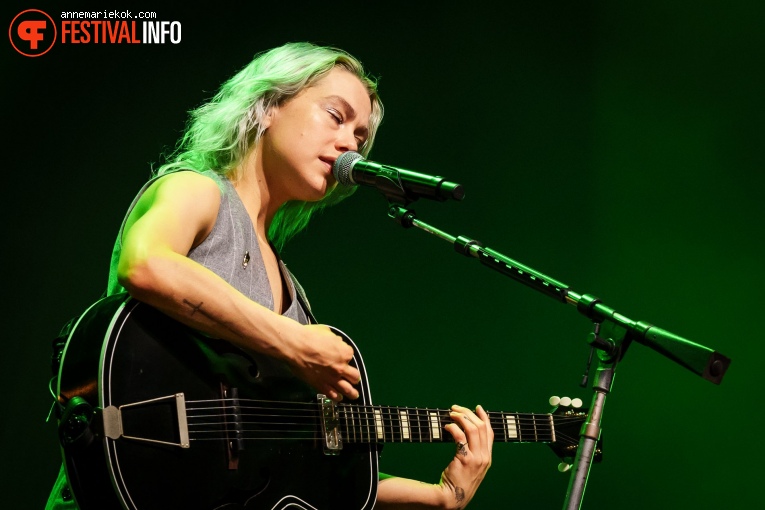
314, 194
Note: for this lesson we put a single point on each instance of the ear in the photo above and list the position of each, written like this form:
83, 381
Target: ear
268, 118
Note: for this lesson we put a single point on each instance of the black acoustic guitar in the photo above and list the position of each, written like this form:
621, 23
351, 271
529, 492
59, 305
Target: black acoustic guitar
157, 416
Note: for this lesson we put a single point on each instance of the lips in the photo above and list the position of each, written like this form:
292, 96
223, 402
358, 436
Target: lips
329, 162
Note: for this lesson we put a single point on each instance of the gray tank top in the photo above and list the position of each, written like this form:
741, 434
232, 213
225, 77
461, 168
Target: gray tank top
231, 251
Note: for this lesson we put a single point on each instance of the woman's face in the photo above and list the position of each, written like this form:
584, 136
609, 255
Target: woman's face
305, 135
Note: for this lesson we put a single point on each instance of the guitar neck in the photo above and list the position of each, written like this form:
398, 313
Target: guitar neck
380, 424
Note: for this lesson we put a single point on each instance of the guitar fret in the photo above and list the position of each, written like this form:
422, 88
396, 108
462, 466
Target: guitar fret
534, 422
375, 423
393, 416
435, 426
360, 417
360, 422
395, 428
348, 422
501, 424
405, 430
357, 424
418, 428
369, 415
379, 425
353, 421
552, 428
388, 418
511, 426
365, 429
347, 435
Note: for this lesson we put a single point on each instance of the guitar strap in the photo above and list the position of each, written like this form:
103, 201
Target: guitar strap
302, 299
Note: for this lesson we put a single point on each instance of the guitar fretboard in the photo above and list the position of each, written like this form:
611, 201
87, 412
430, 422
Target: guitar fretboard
379, 424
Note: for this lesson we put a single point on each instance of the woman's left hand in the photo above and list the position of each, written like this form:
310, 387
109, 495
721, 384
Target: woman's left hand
474, 438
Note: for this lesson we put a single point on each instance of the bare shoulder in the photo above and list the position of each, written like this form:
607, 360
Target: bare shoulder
182, 201
184, 191
186, 185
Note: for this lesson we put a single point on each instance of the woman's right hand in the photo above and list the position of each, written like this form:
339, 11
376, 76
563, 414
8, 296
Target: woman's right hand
321, 358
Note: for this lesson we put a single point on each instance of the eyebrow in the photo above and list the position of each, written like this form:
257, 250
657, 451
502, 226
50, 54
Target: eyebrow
351, 113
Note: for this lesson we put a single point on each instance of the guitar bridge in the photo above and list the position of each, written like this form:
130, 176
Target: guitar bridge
330, 426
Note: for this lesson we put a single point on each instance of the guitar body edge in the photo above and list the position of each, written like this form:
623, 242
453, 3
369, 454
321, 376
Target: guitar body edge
126, 354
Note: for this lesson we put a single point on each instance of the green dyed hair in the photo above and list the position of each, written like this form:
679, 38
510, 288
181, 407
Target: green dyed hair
220, 133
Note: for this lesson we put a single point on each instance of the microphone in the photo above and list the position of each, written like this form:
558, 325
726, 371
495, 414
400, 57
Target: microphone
397, 184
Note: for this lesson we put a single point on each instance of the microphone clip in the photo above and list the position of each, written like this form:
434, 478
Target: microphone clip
403, 216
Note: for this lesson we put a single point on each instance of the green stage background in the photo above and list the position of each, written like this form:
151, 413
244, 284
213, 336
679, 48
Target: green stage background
615, 146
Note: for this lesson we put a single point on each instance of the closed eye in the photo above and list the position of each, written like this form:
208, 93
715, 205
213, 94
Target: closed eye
335, 115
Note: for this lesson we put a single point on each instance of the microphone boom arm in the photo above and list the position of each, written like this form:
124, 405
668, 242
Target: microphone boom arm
697, 358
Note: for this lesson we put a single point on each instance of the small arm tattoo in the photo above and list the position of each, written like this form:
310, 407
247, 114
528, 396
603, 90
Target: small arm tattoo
459, 494
194, 308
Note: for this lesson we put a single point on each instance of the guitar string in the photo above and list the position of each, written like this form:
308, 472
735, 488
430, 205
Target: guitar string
364, 421
371, 413
371, 410
370, 440
364, 418
392, 435
314, 405
364, 435
371, 428
520, 422
370, 431
524, 428
365, 438
496, 425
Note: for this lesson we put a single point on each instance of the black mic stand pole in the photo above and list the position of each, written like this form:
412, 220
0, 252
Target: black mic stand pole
590, 432
701, 360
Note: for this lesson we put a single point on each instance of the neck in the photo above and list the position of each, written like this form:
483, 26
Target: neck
257, 193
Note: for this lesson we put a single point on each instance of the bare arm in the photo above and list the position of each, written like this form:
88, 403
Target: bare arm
174, 215
474, 437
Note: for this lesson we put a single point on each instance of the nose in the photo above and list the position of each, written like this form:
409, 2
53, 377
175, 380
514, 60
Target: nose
346, 141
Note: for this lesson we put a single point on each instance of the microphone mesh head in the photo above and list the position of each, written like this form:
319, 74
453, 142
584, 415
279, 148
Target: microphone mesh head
343, 167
